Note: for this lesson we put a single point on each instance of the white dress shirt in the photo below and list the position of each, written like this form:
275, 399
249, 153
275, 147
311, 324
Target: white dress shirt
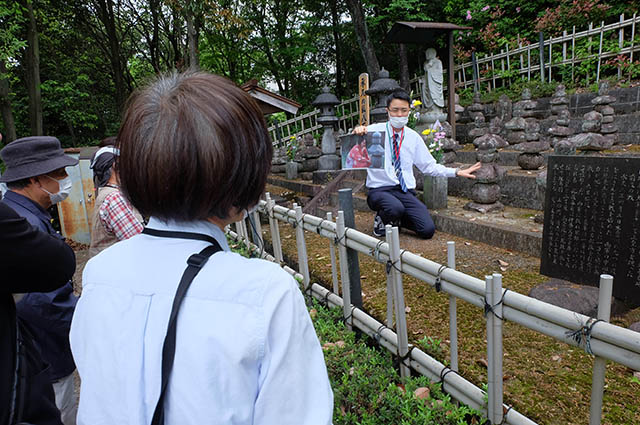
412, 152
246, 350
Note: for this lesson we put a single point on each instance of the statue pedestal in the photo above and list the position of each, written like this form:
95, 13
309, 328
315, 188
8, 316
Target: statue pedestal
435, 192
428, 118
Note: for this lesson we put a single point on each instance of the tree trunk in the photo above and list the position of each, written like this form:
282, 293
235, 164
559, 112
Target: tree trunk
32, 56
154, 8
338, 43
192, 37
362, 34
404, 67
108, 19
5, 106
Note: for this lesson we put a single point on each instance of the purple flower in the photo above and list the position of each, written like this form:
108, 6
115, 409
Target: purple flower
468, 15
518, 9
484, 9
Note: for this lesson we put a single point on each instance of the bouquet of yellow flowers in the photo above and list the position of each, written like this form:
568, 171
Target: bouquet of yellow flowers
414, 115
433, 137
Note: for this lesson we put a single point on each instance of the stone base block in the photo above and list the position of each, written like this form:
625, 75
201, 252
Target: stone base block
484, 208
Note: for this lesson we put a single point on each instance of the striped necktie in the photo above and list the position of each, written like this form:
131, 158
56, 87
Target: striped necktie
396, 162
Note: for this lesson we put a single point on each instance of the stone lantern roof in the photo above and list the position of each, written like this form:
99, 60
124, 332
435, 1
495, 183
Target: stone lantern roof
383, 85
326, 98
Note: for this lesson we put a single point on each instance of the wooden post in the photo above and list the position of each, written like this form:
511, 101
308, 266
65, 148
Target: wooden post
620, 43
390, 282
529, 63
573, 54
541, 51
550, 57
508, 63
589, 49
600, 51
452, 87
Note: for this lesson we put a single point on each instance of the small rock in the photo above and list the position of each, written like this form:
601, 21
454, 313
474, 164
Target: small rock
607, 119
608, 129
530, 161
532, 147
593, 116
516, 124
561, 131
591, 141
485, 193
603, 100
422, 393
605, 110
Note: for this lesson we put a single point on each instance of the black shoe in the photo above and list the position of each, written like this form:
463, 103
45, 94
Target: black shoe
378, 227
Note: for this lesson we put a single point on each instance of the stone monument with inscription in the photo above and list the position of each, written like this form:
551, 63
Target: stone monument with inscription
592, 222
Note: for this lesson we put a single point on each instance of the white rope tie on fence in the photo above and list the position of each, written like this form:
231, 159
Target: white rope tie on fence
584, 334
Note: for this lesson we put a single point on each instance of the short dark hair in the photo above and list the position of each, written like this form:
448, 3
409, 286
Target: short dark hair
399, 94
19, 184
192, 146
107, 141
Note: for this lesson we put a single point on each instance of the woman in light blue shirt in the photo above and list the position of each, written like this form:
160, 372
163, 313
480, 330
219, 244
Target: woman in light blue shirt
194, 155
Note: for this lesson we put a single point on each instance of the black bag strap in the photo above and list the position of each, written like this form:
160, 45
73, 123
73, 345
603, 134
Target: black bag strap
194, 264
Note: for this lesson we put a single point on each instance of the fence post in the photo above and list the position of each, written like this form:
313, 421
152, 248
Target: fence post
334, 266
390, 283
633, 36
453, 310
345, 199
275, 230
600, 51
476, 72
303, 260
497, 350
620, 43
488, 296
573, 54
344, 268
541, 51
401, 318
256, 229
599, 364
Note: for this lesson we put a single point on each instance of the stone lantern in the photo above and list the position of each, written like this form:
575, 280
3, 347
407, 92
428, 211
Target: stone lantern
381, 88
326, 102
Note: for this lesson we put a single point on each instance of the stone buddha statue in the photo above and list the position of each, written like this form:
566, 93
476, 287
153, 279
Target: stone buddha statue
432, 94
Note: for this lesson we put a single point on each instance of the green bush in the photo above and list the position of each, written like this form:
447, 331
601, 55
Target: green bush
367, 388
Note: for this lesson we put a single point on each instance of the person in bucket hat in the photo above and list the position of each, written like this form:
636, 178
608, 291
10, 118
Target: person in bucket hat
36, 178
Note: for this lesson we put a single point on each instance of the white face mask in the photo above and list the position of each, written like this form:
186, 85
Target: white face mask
398, 122
65, 187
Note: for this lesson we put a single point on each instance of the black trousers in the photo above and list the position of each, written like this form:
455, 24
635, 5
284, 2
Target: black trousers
392, 204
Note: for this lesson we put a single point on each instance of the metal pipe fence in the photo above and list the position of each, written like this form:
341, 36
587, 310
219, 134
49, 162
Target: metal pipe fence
603, 340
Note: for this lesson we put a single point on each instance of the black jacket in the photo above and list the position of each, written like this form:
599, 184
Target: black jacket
30, 261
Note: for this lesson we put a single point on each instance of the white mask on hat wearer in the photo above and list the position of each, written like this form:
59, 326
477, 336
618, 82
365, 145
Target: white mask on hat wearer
398, 122
64, 185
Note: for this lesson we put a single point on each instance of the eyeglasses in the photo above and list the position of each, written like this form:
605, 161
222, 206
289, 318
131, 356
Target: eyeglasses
399, 110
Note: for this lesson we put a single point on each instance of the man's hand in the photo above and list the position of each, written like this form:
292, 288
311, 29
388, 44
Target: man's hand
467, 172
360, 130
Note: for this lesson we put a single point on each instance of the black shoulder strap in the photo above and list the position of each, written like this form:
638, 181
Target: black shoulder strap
194, 264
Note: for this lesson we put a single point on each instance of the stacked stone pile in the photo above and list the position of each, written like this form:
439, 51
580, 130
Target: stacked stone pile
485, 193
560, 114
602, 104
449, 145
591, 137
524, 133
278, 163
476, 114
308, 157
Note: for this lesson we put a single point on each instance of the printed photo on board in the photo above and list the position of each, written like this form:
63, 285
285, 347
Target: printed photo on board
366, 151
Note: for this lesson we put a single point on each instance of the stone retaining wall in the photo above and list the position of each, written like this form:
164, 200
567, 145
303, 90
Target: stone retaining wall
627, 109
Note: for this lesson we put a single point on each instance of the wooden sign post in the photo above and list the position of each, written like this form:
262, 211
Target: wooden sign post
363, 99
